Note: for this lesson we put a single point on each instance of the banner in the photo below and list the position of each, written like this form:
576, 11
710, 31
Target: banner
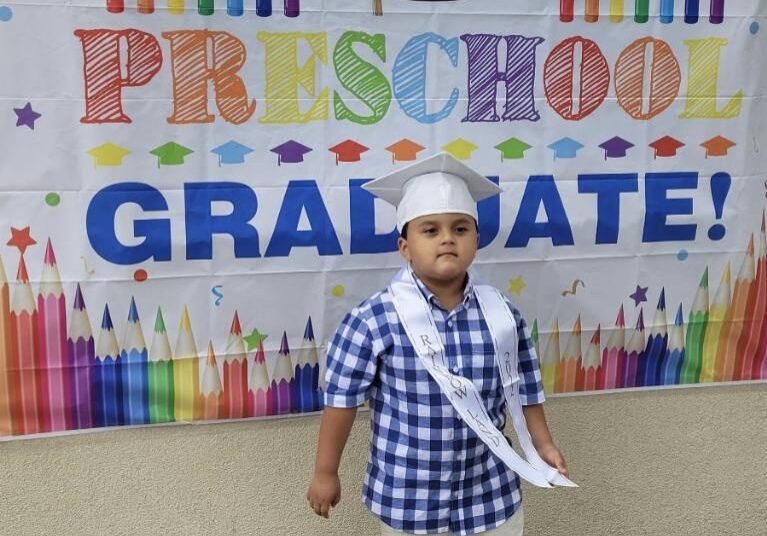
185, 224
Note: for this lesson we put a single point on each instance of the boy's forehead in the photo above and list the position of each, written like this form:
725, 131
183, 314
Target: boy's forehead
448, 218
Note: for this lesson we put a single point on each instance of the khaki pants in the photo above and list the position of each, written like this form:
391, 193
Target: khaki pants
512, 527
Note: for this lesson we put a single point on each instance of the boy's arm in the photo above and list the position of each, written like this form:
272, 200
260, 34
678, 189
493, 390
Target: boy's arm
325, 488
542, 440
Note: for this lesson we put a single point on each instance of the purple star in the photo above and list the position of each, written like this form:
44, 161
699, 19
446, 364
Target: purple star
26, 116
639, 296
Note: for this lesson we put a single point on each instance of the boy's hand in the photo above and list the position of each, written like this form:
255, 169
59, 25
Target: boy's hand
551, 455
324, 493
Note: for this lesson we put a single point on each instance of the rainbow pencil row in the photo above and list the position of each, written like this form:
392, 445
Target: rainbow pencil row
52, 379
234, 8
724, 340
642, 11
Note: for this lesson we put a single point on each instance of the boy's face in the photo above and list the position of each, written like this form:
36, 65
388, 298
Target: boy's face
440, 247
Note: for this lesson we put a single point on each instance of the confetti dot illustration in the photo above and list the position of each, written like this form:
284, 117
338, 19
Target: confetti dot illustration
338, 291
140, 275
6, 13
754, 28
53, 199
682, 255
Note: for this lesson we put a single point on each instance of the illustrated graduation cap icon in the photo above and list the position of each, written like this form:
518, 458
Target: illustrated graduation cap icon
460, 148
717, 146
348, 151
404, 150
290, 152
616, 147
231, 152
565, 148
170, 154
666, 146
512, 149
108, 154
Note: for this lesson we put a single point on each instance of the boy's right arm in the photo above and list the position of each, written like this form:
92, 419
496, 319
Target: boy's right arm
325, 488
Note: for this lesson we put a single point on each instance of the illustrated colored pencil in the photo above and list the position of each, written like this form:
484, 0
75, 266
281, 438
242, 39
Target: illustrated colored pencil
160, 374
259, 388
5, 354
234, 8
146, 6
54, 374
264, 8
205, 7
234, 402
570, 361
115, 6
759, 369
648, 370
671, 366
613, 355
734, 319
691, 9
307, 395
566, 10
107, 387
634, 352
550, 361
211, 389
133, 371
641, 10
292, 8
535, 338
592, 362
377, 8
24, 356
754, 321
616, 10
81, 354
592, 11
282, 380
696, 334
186, 373
716, 316
716, 15
667, 11
176, 7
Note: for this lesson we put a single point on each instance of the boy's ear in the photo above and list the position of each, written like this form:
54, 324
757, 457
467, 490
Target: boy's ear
403, 249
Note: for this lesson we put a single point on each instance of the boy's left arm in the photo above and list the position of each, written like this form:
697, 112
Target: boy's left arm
542, 440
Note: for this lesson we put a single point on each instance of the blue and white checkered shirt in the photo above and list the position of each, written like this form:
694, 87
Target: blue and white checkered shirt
427, 472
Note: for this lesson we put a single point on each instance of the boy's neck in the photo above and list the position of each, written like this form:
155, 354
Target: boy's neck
449, 293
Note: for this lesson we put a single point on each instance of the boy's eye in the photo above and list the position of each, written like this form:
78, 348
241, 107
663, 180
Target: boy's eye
462, 229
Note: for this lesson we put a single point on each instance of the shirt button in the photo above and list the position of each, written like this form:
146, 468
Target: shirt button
450, 323
456, 369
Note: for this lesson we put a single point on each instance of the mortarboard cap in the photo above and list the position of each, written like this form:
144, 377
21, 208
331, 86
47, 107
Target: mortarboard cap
348, 151
231, 152
460, 148
170, 154
666, 146
565, 148
512, 149
404, 150
290, 152
717, 146
616, 147
108, 154
439, 184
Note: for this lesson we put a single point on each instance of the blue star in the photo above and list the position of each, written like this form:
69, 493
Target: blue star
26, 116
639, 296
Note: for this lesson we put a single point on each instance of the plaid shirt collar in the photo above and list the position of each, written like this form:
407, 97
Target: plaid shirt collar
468, 291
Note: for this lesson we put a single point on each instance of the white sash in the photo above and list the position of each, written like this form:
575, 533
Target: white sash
415, 314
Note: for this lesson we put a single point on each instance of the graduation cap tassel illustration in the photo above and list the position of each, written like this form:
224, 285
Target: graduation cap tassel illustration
377, 8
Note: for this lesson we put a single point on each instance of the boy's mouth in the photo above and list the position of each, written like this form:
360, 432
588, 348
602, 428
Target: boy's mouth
447, 254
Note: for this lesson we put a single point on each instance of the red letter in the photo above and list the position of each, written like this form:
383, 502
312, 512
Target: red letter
103, 81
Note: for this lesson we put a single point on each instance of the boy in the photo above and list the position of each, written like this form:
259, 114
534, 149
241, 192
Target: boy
440, 355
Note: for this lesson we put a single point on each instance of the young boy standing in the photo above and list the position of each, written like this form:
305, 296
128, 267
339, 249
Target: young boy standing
440, 355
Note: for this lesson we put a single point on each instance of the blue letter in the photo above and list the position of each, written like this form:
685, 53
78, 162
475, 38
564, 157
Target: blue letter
201, 225
658, 206
489, 211
608, 188
409, 77
541, 189
300, 196
100, 224
362, 223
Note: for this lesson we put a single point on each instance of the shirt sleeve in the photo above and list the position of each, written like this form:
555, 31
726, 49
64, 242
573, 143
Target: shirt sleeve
530, 380
351, 363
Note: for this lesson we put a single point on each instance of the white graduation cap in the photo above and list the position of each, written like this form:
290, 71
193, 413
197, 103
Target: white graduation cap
439, 184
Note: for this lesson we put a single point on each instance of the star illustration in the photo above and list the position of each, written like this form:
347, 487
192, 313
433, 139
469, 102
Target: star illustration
254, 339
517, 285
20, 238
26, 116
639, 296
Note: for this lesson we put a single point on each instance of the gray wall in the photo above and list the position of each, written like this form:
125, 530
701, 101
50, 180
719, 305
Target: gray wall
685, 461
